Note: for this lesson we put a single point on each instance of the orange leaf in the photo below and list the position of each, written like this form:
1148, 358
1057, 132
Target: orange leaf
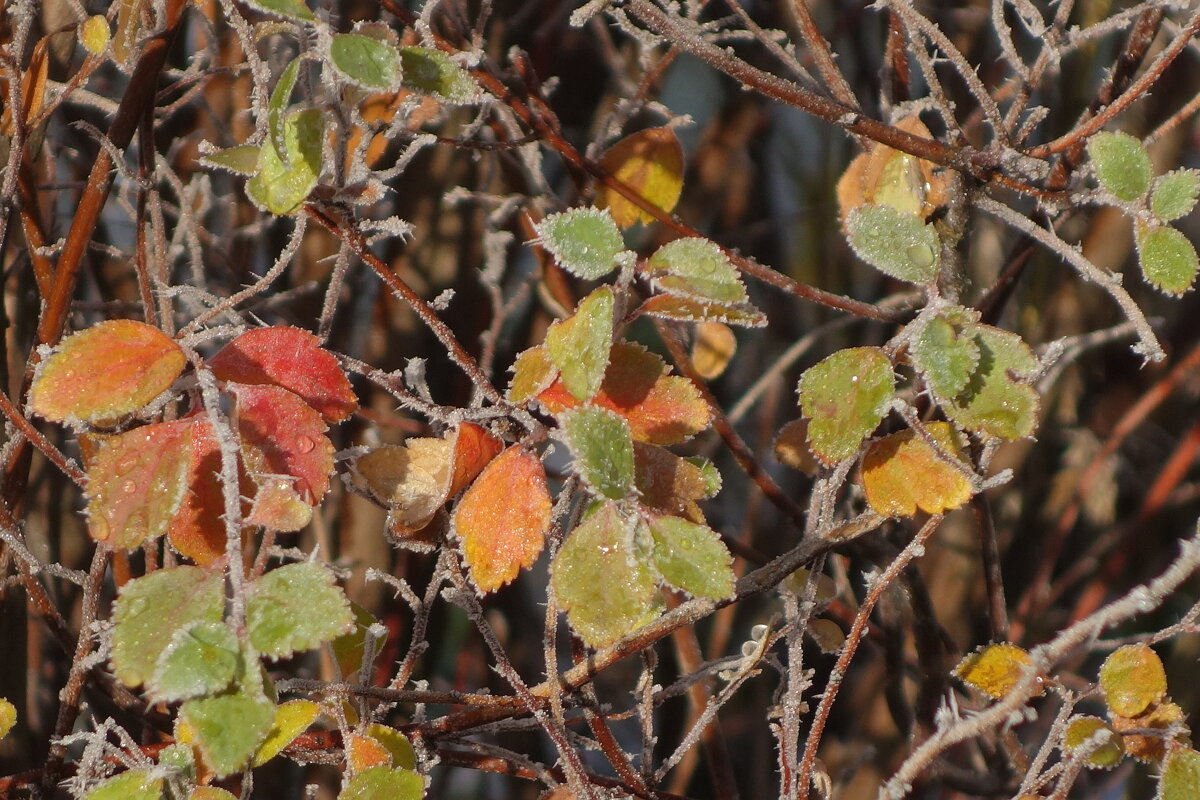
198, 530
291, 358
503, 518
105, 372
669, 485
363, 752
902, 473
474, 448
651, 163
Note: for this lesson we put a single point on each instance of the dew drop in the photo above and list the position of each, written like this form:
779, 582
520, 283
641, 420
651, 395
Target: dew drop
129, 487
98, 528
304, 444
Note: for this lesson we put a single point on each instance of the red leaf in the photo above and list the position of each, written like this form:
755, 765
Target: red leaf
291, 358
198, 529
474, 448
503, 518
285, 451
660, 408
105, 372
137, 482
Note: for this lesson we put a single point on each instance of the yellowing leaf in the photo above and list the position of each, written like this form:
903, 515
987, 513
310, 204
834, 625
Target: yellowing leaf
8, 716
792, 450
291, 720
533, 372
651, 163
695, 309
901, 473
1180, 775
993, 669
579, 345
712, 349
384, 783
1145, 735
503, 517
1081, 730
364, 752
844, 397
670, 485
105, 372
474, 448
1132, 679
94, 34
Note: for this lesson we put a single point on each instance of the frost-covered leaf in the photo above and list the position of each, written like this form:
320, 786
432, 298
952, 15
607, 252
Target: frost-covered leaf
889, 177
284, 180
197, 530
712, 349
579, 345
412, 479
100, 374
201, 658
1122, 164
691, 309
844, 397
603, 448
998, 399
434, 73
897, 243
993, 669
1180, 778
1132, 679
901, 473
474, 449
94, 34
149, 610
1168, 260
241, 159
277, 106
1174, 194
651, 163
503, 517
229, 728
365, 61
660, 408
584, 241
604, 580
397, 745
384, 783
348, 649
1146, 735
291, 358
696, 268
137, 481
295, 607
945, 350
288, 9
533, 372
291, 719
670, 485
691, 557
1081, 730
136, 784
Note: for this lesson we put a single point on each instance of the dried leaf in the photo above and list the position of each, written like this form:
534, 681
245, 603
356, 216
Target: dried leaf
413, 479
670, 485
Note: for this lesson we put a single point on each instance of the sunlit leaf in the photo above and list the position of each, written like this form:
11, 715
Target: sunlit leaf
136, 784
100, 374
1122, 164
364, 752
712, 349
197, 530
277, 106
844, 397
1081, 730
149, 610
1180, 778
288, 9
434, 73
886, 176
384, 783
1168, 260
670, 485
284, 180
998, 399
348, 649
412, 479
129, 28
94, 34
533, 372
604, 580
241, 160
1174, 194
897, 243
474, 448
993, 669
8, 716
201, 658
1132, 679
696, 268
229, 728
137, 481
579, 345
397, 745
691, 309
365, 61
945, 350
691, 557
603, 449
651, 163
291, 719
902, 473
503, 517
584, 241
295, 607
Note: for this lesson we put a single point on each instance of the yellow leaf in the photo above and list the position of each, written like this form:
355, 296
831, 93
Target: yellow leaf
651, 163
993, 669
902, 473
712, 349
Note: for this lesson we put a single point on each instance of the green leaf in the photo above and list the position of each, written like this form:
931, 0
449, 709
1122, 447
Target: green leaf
897, 243
1167, 258
1180, 775
695, 267
584, 241
945, 352
1175, 194
533, 371
137, 784
1081, 730
229, 728
997, 400
284, 180
691, 557
579, 345
384, 783
149, 610
241, 160
434, 73
844, 397
180, 758
296, 607
365, 61
280, 96
288, 9
602, 445
201, 658
1132, 679
1122, 164
603, 580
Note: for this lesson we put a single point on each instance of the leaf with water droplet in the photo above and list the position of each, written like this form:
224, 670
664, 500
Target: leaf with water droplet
584, 241
149, 610
503, 518
1168, 260
579, 345
691, 557
229, 728
201, 658
600, 441
651, 163
902, 472
603, 580
295, 607
897, 243
100, 374
697, 268
1122, 164
137, 482
844, 397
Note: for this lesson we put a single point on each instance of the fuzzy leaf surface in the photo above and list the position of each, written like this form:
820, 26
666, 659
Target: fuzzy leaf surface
284, 180
902, 473
1132, 679
897, 243
691, 309
365, 61
692, 558
288, 9
384, 783
844, 397
434, 73
1180, 775
695, 267
651, 163
1174, 194
670, 485
474, 449
603, 449
229, 728
998, 399
945, 351
1168, 260
993, 669
136, 784
1080, 730
201, 658
579, 345
296, 607
198, 530
584, 241
1122, 164
240, 159
533, 372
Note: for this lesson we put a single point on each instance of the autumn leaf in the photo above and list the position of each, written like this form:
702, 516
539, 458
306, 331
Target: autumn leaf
902, 472
198, 528
651, 163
